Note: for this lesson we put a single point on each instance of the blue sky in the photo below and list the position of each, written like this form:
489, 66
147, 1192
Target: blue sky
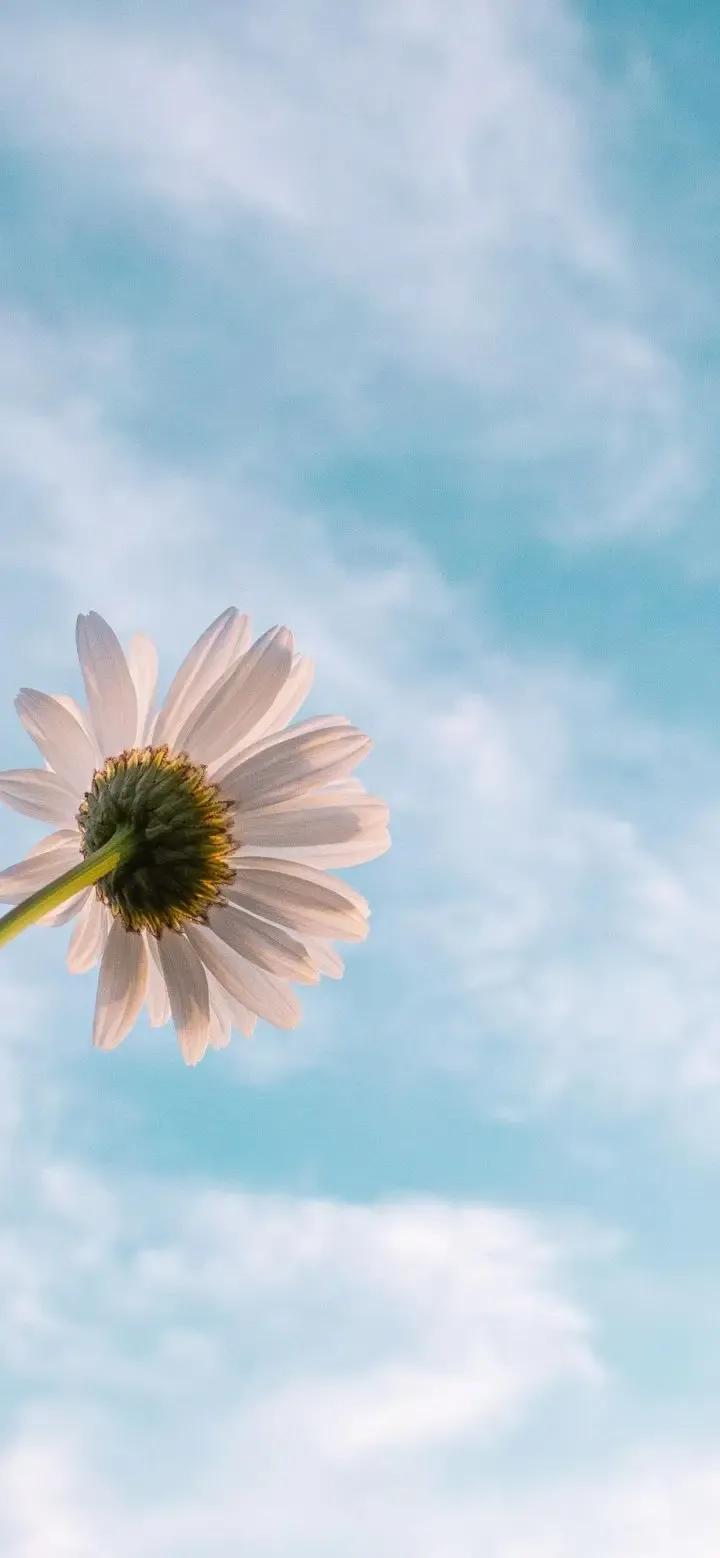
397, 323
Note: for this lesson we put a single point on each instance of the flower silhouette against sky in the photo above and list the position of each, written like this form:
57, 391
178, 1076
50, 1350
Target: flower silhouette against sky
194, 843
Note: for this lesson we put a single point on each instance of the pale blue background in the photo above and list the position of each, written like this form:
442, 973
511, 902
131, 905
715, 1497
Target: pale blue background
397, 323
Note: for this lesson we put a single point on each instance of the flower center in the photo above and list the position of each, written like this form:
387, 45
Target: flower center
181, 824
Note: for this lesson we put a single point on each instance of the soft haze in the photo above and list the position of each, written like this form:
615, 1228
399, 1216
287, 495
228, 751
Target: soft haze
397, 323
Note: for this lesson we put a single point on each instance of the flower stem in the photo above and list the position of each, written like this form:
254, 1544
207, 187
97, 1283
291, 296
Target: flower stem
119, 848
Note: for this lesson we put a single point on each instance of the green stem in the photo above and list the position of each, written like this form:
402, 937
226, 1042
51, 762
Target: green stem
119, 848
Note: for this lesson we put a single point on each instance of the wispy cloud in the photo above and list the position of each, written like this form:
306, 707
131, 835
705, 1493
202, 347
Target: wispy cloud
284, 1351
432, 187
197, 1368
663, 1502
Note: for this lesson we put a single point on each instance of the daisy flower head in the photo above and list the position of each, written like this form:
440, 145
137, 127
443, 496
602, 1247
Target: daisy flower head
193, 844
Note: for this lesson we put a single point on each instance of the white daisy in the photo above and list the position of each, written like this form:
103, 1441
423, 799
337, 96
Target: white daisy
220, 820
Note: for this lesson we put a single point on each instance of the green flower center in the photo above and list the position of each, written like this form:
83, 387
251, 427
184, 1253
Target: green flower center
181, 824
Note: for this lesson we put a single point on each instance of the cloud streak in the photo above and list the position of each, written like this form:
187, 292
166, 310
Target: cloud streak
268, 1343
433, 189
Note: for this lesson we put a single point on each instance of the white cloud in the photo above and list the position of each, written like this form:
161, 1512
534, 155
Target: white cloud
456, 1308
90, 509
583, 922
205, 1369
44, 1492
212, 1360
427, 188
663, 1503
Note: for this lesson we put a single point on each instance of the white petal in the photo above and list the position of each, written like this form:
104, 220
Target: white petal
66, 911
310, 825
262, 993
292, 697
266, 945
305, 900
292, 763
59, 852
229, 1009
38, 793
215, 652
142, 659
286, 705
88, 939
73, 707
121, 986
187, 989
326, 857
343, 788
49, 858
108, 684
61, 740
325, 958
274, 739
158, 1002
219, 1031
52, 840
306, 876
345, 792
71, 838
231, 711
